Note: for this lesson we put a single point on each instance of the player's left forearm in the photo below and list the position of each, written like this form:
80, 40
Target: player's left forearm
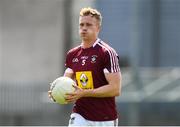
108, 90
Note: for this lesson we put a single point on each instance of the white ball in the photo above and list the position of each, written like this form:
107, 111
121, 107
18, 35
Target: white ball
60, 87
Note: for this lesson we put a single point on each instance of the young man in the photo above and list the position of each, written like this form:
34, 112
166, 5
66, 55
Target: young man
94, 66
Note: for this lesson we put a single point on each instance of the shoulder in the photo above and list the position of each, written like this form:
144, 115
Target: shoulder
106, 48
74, 50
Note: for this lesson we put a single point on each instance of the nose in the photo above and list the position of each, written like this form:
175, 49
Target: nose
84, 28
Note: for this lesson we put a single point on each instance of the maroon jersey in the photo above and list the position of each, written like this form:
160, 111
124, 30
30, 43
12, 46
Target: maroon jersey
89, 66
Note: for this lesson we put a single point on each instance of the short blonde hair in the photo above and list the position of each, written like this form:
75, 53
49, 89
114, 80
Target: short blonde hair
92, 12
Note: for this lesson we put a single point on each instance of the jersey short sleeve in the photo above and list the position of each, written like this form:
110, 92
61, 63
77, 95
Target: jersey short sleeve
67, 61
111, 61
68, 64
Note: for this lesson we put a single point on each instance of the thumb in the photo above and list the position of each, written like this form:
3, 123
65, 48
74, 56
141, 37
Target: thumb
75, 86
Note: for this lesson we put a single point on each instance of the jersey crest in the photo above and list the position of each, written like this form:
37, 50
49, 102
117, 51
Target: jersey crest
85, 79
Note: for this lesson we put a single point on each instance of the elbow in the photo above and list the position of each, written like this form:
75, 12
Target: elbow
117, 92
114, 93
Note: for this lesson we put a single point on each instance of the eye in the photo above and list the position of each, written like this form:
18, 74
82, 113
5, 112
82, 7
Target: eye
81, 24
88, 24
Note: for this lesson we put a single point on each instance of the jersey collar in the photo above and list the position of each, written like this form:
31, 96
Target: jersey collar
97, 40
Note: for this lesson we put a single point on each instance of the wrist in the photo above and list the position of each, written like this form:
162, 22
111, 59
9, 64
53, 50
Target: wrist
88, 93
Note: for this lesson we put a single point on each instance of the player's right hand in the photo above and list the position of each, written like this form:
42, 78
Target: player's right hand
50, 96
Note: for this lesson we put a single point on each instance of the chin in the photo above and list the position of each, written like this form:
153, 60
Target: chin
84, 38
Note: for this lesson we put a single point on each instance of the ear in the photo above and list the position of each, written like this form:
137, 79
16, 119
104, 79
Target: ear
99, 28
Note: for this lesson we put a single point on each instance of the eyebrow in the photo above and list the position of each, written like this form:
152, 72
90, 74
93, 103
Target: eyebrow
85, 23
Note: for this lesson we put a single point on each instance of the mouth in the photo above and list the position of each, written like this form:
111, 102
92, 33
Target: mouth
84, 33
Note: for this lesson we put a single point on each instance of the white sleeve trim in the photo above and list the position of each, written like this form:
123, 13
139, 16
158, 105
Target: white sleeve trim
105, 70
69, 70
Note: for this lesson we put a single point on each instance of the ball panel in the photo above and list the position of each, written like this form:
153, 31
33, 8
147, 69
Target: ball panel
56, 93
60, 87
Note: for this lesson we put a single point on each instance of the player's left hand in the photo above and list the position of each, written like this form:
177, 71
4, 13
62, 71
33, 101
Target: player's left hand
73, 96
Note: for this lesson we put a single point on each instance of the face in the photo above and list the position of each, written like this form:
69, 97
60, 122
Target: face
88, 28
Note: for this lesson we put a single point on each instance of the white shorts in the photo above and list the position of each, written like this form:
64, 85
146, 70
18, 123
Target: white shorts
77, 120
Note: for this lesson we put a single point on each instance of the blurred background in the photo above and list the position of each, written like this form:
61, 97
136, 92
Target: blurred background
36, 34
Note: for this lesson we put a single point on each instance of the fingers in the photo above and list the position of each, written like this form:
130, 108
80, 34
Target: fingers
50, 96
75, 86
70, 98
49, 92
70, 94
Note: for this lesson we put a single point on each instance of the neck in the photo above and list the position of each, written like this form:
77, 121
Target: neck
88, 43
